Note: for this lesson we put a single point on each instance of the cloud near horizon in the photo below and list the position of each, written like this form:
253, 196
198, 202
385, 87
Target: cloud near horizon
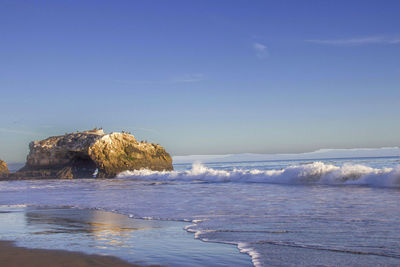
357, 41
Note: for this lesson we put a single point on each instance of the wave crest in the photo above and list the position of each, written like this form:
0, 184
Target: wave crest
311, 173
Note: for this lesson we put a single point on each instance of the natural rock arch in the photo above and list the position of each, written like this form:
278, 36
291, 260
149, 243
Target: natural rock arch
78, 155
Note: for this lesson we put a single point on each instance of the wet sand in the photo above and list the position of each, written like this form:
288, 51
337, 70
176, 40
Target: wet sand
12, 256
60, 236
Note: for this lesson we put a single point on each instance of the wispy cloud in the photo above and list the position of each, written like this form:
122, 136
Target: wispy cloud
357, 41
15, 131
131, 82
261, 50
187, 78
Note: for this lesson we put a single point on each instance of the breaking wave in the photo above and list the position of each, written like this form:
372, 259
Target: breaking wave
311, 173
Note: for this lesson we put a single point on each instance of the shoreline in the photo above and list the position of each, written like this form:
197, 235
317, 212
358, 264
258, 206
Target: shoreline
15, 256
81, 236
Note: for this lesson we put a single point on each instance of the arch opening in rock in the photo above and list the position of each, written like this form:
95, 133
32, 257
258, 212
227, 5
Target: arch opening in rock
80, 166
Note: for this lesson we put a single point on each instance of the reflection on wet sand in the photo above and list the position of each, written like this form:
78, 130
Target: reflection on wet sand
108, 229
98, 232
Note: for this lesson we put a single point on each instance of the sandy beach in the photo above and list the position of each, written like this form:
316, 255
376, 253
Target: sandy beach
12, 256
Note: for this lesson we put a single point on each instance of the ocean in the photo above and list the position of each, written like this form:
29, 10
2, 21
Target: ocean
325, 212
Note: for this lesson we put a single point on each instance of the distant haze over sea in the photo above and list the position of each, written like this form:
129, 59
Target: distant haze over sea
319, 154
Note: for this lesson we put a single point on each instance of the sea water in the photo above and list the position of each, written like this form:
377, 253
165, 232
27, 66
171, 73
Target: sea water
327, 212
92, 231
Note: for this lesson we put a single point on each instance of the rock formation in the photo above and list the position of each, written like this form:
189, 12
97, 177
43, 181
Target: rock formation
80, 154
3, 168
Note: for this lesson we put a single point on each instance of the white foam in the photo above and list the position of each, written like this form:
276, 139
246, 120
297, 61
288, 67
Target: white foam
199, 220
312, 173
255, 256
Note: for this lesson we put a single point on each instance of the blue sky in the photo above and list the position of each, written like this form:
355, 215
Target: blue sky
202, 77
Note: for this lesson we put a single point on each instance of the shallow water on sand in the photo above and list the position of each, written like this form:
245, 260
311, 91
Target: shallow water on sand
338, 212
106, 233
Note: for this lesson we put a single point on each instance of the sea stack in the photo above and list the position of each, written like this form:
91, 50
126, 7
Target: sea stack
3, 169
80, 154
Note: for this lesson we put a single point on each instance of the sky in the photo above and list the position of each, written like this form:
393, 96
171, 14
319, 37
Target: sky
202, 77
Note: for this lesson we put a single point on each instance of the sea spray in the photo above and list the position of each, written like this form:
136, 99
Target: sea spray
311, 173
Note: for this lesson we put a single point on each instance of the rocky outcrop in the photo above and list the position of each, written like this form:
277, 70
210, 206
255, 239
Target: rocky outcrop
117, 152
80, 154
3, 168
